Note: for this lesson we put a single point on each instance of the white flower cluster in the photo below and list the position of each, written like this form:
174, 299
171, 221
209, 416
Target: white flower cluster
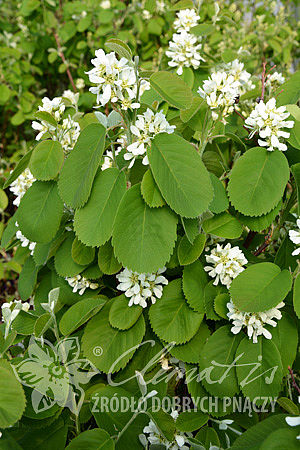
254, 322
224, 86
186, 19
227, 263
145, 128
10, 312
139, 287
155, 438
21, 184
115, 80
66, 130
184, 47
295, 238
275, 79
80, 283
268, 121
24, 241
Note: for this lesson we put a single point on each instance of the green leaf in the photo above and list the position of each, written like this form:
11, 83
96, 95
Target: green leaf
260, 287
253, 438
210, 294
220, 305
24, 323
20, 167
80, 313
118, 46
260, 223
95, 439
187, 252
266, 380
223, 225
46, 117
220, 201
107, 261
46, 160
180, 175
65, 266
42, 324
3, 200
191, 228
190, 352
296, 295
294, 138
12, 398
257, 181
172, 89
40, 212
194, 280
191, 420
82, 254
121, 315
27, 278
288, 405
203, 29
285, 337
150, 191
182, 4
217, 355
296, 174
281, 438
289, 92
108, 348
78, 173
93, 223
171, 318
143, 237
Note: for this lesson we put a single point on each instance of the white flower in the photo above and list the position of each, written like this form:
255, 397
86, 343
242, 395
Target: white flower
24, 241
10, 312
145, 128
67, 133
186, 19
268, 121
43, 128
160, 6
220, 92
146, 14
295, 238
223, 424
105, 4
80, 283
227, 263
184, 51
21, 184
155, 438
139, 287
236, 69
254, 322
55, 107
293, 421
71, 96
79, 83
275, 79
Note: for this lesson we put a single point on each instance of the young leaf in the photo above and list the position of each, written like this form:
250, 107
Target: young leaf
257, 181
93, 223
78, 173
80, 313
143, 237
118, 46
260, 287
180, 175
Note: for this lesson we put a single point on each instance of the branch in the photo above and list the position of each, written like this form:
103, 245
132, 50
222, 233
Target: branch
61, 54
293, 380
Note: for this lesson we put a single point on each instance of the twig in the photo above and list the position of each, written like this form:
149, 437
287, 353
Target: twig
61, 54
249, 238
263, 81
265, 244
293, 380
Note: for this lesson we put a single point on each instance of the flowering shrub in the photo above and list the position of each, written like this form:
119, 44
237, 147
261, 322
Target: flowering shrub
159, 235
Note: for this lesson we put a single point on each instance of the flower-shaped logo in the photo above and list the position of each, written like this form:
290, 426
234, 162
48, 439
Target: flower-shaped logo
55, 373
